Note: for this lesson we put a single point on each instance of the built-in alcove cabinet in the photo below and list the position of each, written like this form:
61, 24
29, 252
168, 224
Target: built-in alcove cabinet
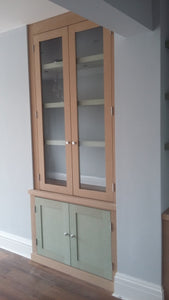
72, 104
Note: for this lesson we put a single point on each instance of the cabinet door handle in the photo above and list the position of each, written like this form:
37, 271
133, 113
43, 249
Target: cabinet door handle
67, 142
77, 242
66, 234
74, 143
72, 236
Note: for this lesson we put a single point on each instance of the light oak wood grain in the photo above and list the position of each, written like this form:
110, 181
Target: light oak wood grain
74, 199
55, 23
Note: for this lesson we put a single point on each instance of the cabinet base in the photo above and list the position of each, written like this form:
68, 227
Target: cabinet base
87, 277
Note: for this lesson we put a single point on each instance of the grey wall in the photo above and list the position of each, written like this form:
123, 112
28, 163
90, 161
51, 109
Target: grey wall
15, 134
139, 10
164, 20
137, 110
138, 146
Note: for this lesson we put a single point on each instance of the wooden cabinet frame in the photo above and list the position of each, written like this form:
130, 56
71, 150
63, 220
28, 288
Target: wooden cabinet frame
72, 194
71, 131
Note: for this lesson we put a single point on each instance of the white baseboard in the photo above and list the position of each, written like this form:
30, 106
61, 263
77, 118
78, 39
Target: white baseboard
130, 288
15, 244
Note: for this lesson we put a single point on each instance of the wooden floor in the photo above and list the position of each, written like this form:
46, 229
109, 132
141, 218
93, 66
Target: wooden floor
22, 279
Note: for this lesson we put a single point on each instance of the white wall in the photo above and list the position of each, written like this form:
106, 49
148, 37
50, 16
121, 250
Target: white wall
15, 134
137, 107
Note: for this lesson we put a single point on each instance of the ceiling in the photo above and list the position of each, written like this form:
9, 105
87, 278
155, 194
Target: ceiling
16, 13
125, 17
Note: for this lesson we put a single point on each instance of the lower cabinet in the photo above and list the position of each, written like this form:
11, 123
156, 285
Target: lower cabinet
52, 224
75, 235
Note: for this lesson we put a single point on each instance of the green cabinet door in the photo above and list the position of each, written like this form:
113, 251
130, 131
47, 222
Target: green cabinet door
52, 229
90, 240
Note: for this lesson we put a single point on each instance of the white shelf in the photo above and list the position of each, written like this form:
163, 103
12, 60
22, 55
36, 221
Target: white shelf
55, 142
53, 65
91, 102
86, 60
90, 59
90, 62
84, 179
99, 144
88, 102
54, 105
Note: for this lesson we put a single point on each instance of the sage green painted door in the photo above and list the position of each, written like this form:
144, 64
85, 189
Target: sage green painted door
90, 240
52, 229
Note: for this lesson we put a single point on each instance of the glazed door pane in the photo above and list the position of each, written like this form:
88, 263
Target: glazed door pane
90, 101
53, 111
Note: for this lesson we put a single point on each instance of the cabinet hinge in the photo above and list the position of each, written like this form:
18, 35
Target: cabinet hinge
39, 177
36, 241
36, 114
113, 187
112, 110
112, 266
112, 227
33, 48
35, 210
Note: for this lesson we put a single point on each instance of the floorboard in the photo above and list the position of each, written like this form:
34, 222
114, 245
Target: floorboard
22, 279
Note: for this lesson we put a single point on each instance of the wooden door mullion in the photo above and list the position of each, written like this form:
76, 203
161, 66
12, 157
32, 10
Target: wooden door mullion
74, 112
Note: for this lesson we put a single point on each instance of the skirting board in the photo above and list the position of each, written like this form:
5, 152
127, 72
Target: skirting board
130, 288
15, 244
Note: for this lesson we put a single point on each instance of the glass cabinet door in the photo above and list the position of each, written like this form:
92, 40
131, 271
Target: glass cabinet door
90, 102
91, 98
53, 104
